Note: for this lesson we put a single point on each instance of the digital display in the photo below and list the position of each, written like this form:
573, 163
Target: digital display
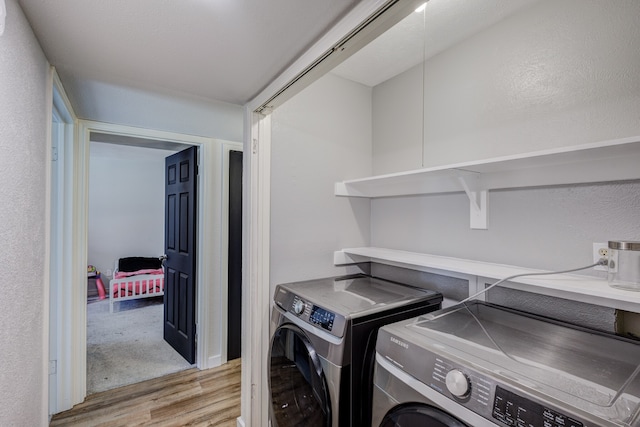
514, 410
322, 317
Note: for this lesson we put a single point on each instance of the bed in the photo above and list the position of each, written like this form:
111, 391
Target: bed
136, 278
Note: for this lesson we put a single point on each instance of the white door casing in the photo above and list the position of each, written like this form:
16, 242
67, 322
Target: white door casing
71, 322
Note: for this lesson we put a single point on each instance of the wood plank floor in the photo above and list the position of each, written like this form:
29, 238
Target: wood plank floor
187, 398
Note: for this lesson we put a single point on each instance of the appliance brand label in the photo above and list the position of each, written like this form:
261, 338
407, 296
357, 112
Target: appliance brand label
398, 342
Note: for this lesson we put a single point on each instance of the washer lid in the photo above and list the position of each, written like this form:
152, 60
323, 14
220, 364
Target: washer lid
356, 296
592, 370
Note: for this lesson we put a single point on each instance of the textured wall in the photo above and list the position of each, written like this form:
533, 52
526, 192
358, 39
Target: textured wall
23, 152
560, 73
545, 228
320, 136
397, 123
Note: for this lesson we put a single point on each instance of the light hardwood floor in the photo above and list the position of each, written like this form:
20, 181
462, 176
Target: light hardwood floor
187, 398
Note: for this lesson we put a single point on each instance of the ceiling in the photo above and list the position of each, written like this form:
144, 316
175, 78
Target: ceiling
215, 50
228, 50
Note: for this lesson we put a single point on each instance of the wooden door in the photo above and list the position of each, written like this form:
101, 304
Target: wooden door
181, 170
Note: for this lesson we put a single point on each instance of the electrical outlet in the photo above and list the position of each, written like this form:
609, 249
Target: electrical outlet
601, 250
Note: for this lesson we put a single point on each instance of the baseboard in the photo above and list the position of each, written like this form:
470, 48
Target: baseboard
239, 422
214, 361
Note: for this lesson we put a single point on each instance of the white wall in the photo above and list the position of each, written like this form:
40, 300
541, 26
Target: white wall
159, 111
545, 228
320, 136
23, 167
557, 74
126, 203
397, 123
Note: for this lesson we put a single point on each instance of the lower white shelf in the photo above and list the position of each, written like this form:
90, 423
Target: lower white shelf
574, 287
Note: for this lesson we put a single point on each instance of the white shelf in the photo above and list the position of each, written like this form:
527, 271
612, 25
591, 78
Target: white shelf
615, 160
569, 286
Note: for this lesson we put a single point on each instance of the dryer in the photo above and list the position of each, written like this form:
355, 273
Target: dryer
322, 349
483, 365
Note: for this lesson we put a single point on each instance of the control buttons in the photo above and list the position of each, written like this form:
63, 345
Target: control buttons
298, 306
457, 383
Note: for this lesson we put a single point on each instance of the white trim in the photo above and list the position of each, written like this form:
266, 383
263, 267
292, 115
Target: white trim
49, 400
78, 284
60, 289
215, 360
206, 258
264, 230
208, 185
249, 261
255, 295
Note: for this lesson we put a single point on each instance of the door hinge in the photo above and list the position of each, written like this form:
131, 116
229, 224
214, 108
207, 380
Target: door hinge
254, 146
54, 154
53, 367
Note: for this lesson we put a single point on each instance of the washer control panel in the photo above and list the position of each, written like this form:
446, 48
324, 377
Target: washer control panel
311, 313
514, 410
480, 392
481, 395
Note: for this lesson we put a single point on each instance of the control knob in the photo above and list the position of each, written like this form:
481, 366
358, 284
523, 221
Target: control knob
298, 306
457, 383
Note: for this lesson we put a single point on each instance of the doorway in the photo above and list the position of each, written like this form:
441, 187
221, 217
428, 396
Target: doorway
126, 218
211, 312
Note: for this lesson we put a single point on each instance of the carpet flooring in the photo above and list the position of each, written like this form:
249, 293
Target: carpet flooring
127, 347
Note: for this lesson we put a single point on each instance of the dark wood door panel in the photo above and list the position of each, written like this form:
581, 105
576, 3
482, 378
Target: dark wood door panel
180, 247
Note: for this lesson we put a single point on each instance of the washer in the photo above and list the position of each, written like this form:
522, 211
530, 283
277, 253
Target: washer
485, 365
322, 350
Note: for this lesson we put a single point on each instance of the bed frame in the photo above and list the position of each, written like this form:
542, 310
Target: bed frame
135, 287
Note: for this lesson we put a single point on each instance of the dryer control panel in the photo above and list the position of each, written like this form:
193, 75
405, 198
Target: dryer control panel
312, 314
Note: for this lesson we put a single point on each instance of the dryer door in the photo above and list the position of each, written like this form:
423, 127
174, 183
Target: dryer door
419, 415
297, 385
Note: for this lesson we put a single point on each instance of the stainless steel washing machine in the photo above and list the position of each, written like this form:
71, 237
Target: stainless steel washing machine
485, 365
323, 344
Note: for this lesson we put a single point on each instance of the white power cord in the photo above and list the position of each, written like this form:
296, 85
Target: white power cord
602, 261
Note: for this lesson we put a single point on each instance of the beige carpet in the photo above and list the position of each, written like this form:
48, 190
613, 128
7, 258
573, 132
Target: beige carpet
127, 347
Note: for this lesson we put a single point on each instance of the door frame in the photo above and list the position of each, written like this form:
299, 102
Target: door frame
60, 298
208, 352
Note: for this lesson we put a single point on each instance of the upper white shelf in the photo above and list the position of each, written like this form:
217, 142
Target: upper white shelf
575, 287
615, 160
